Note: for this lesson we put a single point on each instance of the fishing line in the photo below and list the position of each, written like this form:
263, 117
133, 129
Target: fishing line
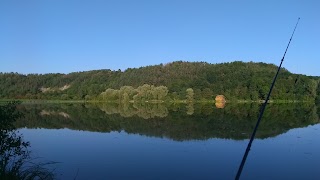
262, 109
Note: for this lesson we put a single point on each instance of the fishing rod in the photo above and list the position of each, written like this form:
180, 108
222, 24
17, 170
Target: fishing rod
262, 109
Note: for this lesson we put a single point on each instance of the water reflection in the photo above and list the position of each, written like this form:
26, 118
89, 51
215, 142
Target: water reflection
220, 104
177, 122
15, 158
145, 111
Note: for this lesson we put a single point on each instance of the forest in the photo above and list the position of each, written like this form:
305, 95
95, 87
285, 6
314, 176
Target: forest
179, 80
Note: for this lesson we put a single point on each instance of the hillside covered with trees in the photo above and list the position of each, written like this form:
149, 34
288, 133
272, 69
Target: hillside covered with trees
176, 80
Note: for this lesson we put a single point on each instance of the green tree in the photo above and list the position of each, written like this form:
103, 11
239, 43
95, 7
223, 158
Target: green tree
161, 92
197, 94
190, 95
207, 94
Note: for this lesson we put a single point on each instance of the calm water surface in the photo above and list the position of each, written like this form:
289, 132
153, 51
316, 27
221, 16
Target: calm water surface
174, 142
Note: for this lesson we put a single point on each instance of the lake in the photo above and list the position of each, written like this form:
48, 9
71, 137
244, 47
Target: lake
157, 141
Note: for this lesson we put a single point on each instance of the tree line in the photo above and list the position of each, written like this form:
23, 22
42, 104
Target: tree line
235, 80
144, 93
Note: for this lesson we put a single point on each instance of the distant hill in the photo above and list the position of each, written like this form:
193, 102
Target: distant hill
235, 80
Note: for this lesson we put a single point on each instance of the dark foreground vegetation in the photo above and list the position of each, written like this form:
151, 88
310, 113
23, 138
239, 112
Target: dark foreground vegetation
191, 81
16, 161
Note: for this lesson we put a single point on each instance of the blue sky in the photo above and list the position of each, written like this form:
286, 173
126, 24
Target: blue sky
38, 36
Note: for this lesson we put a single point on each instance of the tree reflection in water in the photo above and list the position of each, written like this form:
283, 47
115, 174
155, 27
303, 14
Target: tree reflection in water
15, 159
142, 110
173, 121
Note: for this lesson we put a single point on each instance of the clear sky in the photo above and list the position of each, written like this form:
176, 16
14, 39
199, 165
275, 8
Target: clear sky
48, 36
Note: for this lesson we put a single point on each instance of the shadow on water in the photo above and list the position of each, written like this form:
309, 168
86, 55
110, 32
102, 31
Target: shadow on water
15, 158
176, 122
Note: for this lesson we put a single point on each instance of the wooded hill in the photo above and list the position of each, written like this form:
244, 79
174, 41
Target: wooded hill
235, 80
